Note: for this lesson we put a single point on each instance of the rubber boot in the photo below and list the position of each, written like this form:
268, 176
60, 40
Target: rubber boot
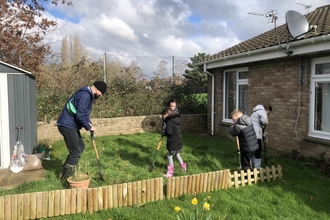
68, 170
183, 167
257, 163
170, 170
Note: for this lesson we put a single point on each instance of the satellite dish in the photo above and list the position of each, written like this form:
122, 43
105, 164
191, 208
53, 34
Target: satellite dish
296, 23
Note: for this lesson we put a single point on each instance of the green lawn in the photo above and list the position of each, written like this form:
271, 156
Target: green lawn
302, 193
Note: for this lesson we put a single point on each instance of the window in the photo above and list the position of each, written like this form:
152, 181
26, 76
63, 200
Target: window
235, 92
319, 125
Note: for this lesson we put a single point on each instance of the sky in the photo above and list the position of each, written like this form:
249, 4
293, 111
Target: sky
158, 28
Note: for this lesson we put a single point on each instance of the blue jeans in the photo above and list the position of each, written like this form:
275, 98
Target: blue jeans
74, 144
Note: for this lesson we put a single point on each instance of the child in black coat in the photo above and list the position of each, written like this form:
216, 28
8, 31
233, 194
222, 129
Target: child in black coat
174, 140
243, 128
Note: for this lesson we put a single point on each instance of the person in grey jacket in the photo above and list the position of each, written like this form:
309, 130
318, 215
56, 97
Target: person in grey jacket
259, 119
243, 128
75, 116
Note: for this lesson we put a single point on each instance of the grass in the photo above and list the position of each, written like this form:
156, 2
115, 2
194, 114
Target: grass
302, 193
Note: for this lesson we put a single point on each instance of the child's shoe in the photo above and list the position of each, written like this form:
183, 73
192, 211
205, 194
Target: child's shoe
170, 170
183, 167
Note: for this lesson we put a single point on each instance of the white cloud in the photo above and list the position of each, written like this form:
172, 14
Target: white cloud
162, 27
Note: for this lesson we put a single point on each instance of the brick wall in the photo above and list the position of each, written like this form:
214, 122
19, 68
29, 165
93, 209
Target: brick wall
194, 123
276, 82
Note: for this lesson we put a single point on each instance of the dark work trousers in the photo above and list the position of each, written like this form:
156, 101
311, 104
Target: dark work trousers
257, 153
246, 160
74, 144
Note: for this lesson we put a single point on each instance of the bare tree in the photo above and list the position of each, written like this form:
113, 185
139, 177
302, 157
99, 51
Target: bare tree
23, 27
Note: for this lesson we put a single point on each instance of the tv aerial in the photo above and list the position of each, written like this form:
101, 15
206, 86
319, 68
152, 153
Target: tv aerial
271, 15
306, 6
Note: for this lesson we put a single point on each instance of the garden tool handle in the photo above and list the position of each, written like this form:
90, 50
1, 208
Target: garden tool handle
237, 142
159, 143
94, 145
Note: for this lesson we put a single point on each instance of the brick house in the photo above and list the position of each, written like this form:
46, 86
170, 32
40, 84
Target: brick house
261, 70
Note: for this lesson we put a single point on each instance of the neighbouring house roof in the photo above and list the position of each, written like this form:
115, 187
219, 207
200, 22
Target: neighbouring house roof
320, 17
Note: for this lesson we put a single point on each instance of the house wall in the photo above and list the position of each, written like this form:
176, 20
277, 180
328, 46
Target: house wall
194, 123
276, 82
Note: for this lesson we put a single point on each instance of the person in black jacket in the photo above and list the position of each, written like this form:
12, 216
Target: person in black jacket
243, 128
174, 140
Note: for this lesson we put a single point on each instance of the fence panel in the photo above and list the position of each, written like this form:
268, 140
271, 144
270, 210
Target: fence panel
71, 201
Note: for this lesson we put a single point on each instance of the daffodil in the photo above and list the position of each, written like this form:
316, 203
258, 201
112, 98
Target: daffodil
177, 209
206, 206
194, 201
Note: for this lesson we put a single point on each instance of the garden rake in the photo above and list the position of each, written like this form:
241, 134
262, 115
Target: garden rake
97, 155
238, 153
155, 155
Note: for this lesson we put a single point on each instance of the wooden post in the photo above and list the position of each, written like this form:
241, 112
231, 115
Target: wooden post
235, 179
8, 211
51, 199
148, 190
115, 196
33, 205
172, 187
2, 207
139, 192
185, 185
261, 172
134, 193
160, 183
273, 172
152, 190
110, 196
68, 201
124, 194
177, 186
105, 197
90, 201
193, 184
268, 174
143, 191
279, 170
100, 198
255, 175
14, 208
242, 178
181, 185
20, 207
189, 187
84, 200
79, 200
157, 189
120, 195
94, 198
129, 194
205, 182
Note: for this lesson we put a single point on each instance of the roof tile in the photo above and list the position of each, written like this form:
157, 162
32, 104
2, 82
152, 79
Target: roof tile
319, 17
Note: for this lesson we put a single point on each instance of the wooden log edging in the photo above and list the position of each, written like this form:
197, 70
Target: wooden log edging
71, 201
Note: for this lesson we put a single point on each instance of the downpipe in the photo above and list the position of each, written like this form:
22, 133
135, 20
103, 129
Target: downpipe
212, 99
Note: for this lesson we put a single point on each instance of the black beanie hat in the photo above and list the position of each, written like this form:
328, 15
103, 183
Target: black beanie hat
101, 86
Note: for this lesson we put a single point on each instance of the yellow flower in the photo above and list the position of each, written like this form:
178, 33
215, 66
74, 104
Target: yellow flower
206, 206
194, 201
177, 209
208, 197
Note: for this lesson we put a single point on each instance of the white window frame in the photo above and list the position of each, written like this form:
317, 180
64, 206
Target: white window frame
322, 78
239, 82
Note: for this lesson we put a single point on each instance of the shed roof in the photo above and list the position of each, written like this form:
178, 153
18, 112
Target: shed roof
7, 68
319, 17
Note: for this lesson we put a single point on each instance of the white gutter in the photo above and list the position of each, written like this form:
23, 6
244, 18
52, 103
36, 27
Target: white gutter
212, 100
301, 47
